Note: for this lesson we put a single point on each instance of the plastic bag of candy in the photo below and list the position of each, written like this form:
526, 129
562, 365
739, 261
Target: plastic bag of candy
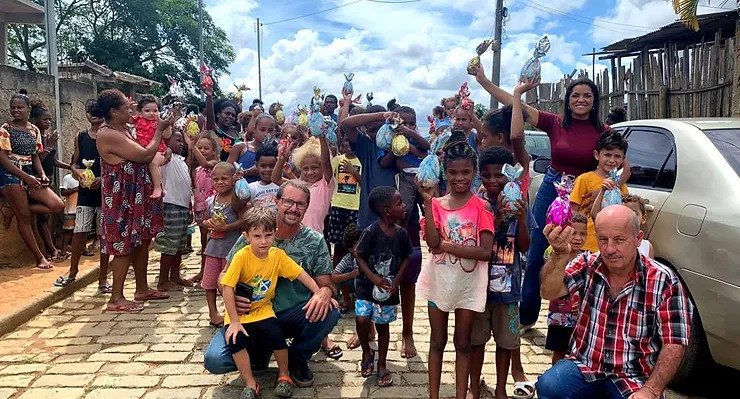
384, 136
88, 177
613, 196
348, 87
241, 187
429, 171
560, 213
512, 190
532, 68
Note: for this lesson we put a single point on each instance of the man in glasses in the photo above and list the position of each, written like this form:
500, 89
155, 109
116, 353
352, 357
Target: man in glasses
304, 317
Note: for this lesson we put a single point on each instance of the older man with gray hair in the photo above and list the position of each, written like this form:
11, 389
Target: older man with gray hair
634, 321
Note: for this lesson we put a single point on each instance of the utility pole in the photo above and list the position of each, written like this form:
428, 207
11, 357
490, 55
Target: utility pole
259, 58
496, 67
200, 42
53, 69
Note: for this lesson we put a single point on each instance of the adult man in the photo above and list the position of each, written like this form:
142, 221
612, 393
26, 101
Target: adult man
330, 105
634, 322
305, 318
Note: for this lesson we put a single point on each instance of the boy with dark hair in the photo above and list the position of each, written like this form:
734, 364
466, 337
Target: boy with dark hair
513, 223
609, 153
264, 190
382, 257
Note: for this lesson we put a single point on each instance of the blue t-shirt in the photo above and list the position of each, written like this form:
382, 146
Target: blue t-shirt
505, 267
246, 161
373, 175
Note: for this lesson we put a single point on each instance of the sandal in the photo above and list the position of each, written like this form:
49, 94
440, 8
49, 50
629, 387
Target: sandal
59, 256
335, 352
64, 281
284, 387
105, 289
384, 378
367, 368
128, 307
249, 393
87, 252
523, 390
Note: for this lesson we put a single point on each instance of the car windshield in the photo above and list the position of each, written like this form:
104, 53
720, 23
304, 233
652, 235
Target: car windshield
538, 145
727, 142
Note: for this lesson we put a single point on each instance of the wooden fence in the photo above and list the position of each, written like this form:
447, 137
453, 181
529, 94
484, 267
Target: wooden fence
672, 82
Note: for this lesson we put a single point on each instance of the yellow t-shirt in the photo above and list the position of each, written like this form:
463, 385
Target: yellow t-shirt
261, 275
347, 190
585, 183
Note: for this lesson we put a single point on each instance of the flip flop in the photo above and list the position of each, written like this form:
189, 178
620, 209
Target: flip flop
249, 393
64, 281
105, 289
367, 368
335, 352
384, 378
87, 253
523, 390
152, 295
128, 308
284, 387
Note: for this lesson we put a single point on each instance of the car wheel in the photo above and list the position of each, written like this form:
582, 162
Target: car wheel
695, 374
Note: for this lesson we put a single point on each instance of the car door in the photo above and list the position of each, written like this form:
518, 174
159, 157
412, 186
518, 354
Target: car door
652, 158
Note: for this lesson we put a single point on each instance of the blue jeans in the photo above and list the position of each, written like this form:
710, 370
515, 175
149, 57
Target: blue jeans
529, 308
565, 381
306, 336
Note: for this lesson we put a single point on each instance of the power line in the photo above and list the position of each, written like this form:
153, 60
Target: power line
337, 7
586, 21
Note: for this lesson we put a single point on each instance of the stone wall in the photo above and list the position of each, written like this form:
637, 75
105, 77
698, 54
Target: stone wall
73, 95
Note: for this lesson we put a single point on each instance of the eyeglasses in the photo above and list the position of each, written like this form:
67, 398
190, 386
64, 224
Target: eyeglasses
289, 203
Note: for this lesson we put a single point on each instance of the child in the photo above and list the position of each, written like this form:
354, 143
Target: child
314, 164
262, 127
639, 206
204, 154
501, 316
382, 257
345, 201
173, 240
69, 189
264, 190
145, 124
458, 229
223, 226
609, 153
258, 266
563, 312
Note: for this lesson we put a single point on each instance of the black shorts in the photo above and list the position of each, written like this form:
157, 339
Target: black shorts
264, 334
339, 219
558, 338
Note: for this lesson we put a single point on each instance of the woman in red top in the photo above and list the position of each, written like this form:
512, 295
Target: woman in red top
573, 139
130, 216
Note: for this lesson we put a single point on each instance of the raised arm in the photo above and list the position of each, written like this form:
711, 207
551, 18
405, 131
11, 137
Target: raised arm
277, 172
343, 110
412, 134
502, 96
517, 123
552, 284
325, 159
349, 126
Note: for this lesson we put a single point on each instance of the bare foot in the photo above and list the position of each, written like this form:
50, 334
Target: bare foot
518, 375
157, 192
500, 394
354, 342
8, 215
217, 320
169, 286
408, 349
181, 281
44, 264
122, 305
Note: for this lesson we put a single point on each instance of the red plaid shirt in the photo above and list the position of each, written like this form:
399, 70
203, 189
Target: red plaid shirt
620, 338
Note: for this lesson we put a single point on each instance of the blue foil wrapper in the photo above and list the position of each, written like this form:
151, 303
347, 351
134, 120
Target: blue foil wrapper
532, 69
512, 190
613, 196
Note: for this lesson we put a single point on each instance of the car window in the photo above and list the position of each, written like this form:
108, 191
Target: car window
727, 142
651, 155
537, 145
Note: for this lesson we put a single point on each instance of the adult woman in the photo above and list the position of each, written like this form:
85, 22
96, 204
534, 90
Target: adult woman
572, 139
221, 118
130, 217
41, 118
22, 177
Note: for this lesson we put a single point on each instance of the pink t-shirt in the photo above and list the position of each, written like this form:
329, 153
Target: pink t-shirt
318, 207
203, 189
572, 147
448, 281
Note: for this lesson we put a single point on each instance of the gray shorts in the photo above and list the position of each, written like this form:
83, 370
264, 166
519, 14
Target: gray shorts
500, 320
174, 238
88, 219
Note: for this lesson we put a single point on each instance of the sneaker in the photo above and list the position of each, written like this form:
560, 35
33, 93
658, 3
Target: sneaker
302, 375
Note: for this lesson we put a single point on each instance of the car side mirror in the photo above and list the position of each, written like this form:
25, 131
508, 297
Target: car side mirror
541, 164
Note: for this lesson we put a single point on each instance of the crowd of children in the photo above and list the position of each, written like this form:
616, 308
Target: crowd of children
367, 201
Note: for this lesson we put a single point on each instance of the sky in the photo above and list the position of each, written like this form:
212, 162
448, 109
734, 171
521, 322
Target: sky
417, 51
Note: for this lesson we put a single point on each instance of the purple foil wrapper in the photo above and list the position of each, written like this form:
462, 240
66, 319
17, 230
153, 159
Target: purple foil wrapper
560, 213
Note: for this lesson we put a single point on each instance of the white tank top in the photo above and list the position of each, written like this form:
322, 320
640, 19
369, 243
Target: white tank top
644, 248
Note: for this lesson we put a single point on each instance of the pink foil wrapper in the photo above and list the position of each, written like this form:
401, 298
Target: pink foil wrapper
560, 213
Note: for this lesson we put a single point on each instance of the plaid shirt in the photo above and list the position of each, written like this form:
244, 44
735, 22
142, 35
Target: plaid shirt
620, 338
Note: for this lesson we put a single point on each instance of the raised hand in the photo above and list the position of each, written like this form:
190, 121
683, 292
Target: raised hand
559, 238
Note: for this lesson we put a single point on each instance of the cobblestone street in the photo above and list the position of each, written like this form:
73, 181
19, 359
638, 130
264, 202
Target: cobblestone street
75, 349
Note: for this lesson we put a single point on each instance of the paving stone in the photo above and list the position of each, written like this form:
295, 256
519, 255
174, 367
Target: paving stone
163, 357
22, 334
16, 369
15, 381
55, 393
180, 393
177, 369
76, 368
127, 368
77, 380
67, 341
193, 380
135, 348
119, 339
6, 393
116, 393
131, 381
75, 349
172, 347
342, 392
111, 357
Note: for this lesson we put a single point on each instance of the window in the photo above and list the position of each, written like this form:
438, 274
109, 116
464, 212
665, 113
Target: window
728, 143
652, 157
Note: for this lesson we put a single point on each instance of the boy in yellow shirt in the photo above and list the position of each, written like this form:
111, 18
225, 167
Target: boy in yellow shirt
255, 269
610, 151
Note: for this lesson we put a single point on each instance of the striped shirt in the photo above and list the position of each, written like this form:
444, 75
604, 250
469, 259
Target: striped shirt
620, 338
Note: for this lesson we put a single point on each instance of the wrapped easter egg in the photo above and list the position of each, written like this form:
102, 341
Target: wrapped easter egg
241, 187
279, 114
384, 137
560, 213
439, 142
192, 129
330, 130
347, 87
369, 97
239, 94
429, 171
532, 69
474, 63
512, 190
613, 196
88, 177
400, 145
380, 294
206, 77
464, 94
303, 116
219, 217
316, 124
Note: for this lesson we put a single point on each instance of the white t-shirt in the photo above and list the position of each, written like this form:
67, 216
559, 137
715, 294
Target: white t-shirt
178, 187
70, 201
263, 195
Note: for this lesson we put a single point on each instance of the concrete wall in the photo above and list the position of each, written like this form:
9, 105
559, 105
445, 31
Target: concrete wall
73, 95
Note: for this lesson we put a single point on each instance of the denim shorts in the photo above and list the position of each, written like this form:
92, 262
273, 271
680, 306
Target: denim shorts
7, 178
379, 314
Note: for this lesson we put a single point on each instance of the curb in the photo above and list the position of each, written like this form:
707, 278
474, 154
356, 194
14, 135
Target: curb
55, 294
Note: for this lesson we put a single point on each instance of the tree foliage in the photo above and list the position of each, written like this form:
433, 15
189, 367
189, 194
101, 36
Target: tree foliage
150, 38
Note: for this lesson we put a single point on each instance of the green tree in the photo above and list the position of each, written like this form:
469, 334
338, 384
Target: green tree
687, 11
150, 38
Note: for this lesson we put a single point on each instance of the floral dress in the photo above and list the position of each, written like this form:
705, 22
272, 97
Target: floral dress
130, 215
